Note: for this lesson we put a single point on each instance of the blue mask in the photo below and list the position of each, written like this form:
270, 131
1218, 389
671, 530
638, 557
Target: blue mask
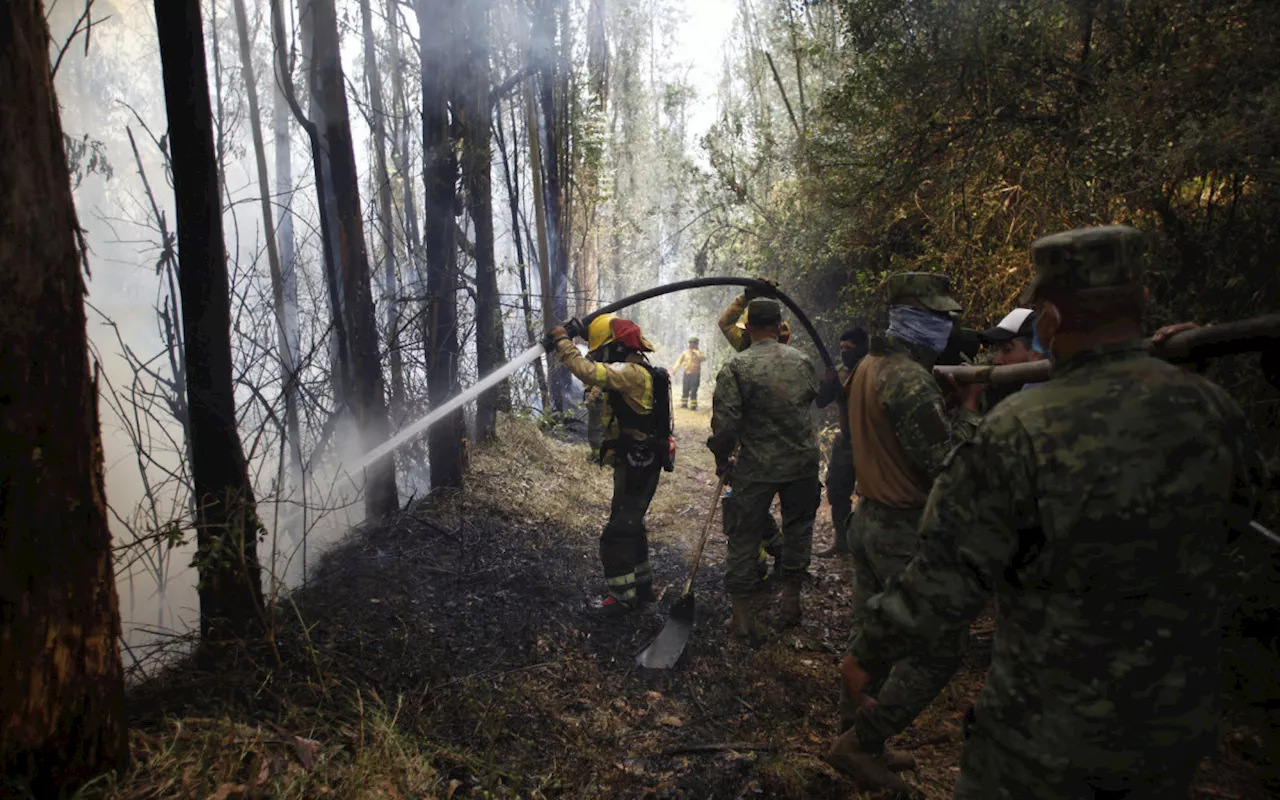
1035, 340
919, 327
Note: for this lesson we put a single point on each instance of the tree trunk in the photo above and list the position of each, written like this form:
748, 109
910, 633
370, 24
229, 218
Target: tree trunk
552, 187
544, 258
386, 220
400, 152
289, 309
477, 161
511, 173
62, 694
365, 392
326, 201
437, 24
230, 587
284, 344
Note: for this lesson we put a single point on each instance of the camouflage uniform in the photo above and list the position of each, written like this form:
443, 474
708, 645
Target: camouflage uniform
761, 402
1100, 509
882, 531
771, 543
624, 544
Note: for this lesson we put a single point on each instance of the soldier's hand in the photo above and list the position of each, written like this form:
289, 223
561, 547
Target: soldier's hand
552, 336
965, 395
1169, 330
724, 467
763, 288
855, 680
830, 375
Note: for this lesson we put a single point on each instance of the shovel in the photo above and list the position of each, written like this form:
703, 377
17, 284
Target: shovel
665, 651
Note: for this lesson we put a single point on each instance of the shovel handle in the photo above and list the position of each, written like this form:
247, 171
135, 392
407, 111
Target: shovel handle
706, 532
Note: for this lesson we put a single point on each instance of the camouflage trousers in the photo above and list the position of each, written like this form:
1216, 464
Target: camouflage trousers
624, 545
990, 770
748, 511
882, 541
840, 486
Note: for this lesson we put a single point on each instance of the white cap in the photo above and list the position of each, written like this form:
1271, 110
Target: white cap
1017, 322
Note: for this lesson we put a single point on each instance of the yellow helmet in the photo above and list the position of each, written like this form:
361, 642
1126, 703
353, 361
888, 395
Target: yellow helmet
784, 332
600, 331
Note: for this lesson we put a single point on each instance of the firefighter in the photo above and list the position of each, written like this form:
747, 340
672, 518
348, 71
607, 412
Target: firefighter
691, 361
636, 423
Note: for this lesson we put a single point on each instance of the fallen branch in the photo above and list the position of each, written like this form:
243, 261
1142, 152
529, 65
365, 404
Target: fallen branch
717, 748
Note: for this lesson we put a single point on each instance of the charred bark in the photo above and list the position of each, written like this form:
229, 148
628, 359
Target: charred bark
437, 23
227, 525
365, 396
62, 690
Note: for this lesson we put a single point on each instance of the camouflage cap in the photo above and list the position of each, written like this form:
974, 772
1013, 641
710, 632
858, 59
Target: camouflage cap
764, 313
932, 290
1087, 258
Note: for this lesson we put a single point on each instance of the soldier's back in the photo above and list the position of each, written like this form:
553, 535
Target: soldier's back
1126, 477
777, 384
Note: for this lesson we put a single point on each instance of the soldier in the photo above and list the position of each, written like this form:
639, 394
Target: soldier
761, 404
901, 436
841, 477
1100, 508
635, 418
691, 361
733, 322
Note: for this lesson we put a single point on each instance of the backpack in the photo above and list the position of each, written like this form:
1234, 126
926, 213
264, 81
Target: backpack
657, 424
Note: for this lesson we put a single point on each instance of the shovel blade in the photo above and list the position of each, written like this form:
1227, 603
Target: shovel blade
664, 651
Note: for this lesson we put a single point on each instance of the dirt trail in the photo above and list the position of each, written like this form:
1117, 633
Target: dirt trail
463, 626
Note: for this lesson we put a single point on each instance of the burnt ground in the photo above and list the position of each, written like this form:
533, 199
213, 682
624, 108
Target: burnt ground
450, 653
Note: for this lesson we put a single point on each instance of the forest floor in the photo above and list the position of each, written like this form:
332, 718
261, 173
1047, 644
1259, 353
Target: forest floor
450, 653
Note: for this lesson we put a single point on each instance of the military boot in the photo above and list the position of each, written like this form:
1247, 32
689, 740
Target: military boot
745, 624
869, 770
789, 607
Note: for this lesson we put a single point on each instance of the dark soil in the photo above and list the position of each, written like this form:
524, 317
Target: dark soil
467, 621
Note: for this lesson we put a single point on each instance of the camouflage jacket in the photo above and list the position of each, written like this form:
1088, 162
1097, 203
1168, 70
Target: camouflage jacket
728, 324
1099, 508
761, 402
914, 404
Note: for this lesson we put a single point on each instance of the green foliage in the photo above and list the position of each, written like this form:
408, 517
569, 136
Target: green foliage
952, 133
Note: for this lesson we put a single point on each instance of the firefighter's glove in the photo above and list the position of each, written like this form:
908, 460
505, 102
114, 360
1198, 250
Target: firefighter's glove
575, 329
553, 336
762, 288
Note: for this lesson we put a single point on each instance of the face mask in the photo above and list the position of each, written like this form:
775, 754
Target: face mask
850, 358
919, 327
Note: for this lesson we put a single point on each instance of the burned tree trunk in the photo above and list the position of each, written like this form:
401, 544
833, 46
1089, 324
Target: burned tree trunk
477, 161
230, 587
365, 395
437, 23
62, 690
